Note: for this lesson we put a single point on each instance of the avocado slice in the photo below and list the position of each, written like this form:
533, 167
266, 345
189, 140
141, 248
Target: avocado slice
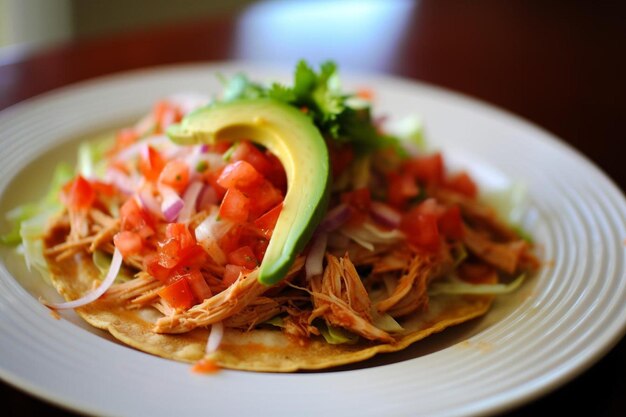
298, 144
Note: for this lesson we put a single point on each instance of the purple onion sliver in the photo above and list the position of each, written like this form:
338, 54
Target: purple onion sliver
335, 218
314, 264
207, 197
114, 269
190, 199
385, 215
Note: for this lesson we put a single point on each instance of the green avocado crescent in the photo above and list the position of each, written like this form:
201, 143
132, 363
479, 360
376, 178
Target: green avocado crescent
293, 138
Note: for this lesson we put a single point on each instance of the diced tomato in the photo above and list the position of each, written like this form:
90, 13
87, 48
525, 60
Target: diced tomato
211, 177
463, 184
428, 169
128, 243
175, 174
198, 285
135, 219
231, 240
151, 163
262, 197
401, 188
78, 194
340, 158
451, 224
169, 253
246, 151
276, 175
178, 294
231, 273
219, 147
165, 113
359, 202
421, 229
267, 221
239, 174
103, 189
244, 256
180, 232
235, 206
193, 256
152, 266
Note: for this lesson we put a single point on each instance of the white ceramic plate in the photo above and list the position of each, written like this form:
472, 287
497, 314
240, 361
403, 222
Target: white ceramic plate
556, 326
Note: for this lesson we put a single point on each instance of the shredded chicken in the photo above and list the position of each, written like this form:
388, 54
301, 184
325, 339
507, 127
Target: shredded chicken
341, 299
505, 256
221, 306
138, 292
410, 293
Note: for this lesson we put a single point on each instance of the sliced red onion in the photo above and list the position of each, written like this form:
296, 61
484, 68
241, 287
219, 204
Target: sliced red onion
149, 203
114, 269
207, 197
190, 199
212, 228
385, 214
122, 181
214, 340
172, 204
335, 218
314, 264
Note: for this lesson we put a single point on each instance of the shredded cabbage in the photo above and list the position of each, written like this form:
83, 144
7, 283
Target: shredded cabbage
29, 221
455, 286
337, 335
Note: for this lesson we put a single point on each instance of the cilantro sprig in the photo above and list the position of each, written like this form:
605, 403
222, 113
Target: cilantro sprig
318, 94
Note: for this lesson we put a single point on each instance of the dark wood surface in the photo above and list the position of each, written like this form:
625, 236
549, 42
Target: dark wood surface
561, 65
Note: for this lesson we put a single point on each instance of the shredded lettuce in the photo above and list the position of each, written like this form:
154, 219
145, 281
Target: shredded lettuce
102, 261
337, 335
26, 219
91, 161
509, 204
387, 323
455, 286
29, 221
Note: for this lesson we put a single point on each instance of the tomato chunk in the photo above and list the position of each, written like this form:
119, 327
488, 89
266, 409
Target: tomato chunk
235, 206
78, 194
428, 169
401, 188
175, 174
151, 163
267, 221
135, 219
244, 256
463, 184
451, 224
239, 174
165, 113
262, 197
421, 229
199, 287
128, 243
178, 294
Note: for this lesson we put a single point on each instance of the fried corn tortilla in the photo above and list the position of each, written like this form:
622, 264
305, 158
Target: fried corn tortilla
264, 350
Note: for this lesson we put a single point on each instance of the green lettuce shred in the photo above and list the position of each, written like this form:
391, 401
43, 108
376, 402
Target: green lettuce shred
455, 286
337, 335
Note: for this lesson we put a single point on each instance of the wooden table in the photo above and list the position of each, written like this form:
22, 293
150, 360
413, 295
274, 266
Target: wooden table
561, 65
